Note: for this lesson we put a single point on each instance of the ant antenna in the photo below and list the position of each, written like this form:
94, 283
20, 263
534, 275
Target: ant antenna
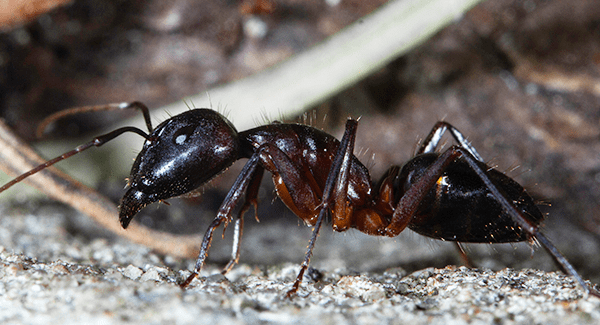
96, 142
93, 108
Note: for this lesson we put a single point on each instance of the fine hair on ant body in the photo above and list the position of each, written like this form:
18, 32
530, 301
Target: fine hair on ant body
452, 195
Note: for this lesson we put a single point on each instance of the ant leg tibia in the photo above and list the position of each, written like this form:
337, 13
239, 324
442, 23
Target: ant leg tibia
235, 194
336, 180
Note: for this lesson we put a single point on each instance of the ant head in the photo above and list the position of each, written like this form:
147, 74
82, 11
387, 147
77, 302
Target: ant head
180, 155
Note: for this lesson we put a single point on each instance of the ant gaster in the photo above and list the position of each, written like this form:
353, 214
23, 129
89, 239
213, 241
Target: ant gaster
451, 195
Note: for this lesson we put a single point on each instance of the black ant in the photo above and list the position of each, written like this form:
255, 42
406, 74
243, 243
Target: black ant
451, 195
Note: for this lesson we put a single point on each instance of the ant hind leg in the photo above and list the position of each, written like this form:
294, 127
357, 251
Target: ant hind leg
431, 142
523, 222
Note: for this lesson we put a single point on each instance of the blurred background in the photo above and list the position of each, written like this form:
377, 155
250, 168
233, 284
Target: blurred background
521, 79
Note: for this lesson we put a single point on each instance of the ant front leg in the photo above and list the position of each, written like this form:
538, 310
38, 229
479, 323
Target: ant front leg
240, 186
248, 181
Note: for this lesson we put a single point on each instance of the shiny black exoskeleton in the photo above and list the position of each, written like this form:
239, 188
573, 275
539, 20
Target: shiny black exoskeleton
452, 195
177, 158
461, 208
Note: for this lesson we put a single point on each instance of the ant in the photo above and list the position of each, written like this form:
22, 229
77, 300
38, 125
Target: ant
452, 195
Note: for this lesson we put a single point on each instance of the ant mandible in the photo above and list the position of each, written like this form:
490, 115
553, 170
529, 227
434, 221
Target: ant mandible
451, 195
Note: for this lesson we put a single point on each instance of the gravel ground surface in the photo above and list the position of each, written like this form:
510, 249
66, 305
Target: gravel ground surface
49, 275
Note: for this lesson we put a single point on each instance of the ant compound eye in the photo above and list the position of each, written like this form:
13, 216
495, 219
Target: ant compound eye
182, 135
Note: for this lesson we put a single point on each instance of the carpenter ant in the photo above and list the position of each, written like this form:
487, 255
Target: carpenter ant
451, 195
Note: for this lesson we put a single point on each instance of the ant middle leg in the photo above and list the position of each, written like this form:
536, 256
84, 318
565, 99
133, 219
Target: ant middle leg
334, 193
294, 187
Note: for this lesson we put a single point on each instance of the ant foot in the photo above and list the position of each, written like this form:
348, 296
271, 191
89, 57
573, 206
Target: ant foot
188, 280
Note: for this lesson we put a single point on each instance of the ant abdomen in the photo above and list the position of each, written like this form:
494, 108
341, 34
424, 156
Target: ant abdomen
461, 208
